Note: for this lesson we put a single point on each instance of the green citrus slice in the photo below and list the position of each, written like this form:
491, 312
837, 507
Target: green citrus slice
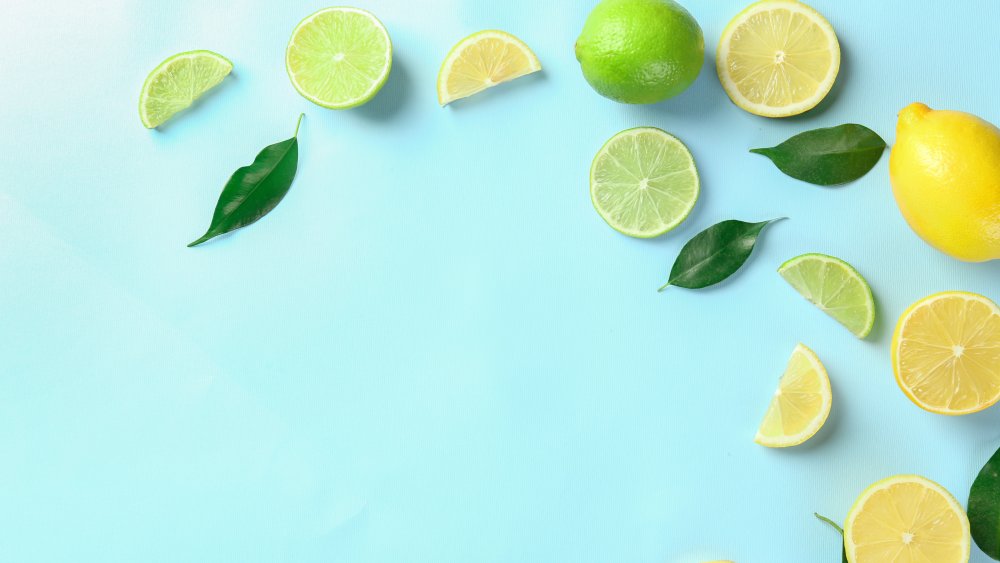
643, 182
339, 58
177, 82
835, 287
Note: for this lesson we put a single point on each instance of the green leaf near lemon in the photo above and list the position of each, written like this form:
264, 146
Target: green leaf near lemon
640, 51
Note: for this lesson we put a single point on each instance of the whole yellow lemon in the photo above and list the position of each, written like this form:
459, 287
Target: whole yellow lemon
945, 173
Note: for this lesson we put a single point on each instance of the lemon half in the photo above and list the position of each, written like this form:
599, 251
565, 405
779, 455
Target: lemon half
946, 353
801, 404
778, 58
483, 60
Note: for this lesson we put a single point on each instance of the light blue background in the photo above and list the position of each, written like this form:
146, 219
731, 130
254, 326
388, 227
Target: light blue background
434, 350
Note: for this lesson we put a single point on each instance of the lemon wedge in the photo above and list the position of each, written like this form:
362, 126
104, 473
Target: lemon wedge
801, 404
906, 519
778, 58
946, 353
483, 60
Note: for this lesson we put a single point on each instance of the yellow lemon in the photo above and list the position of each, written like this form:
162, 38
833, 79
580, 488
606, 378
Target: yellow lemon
945, 172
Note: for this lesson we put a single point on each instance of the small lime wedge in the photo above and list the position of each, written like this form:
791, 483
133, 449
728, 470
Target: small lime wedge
177, 82
643, 182
339, 57
835, 287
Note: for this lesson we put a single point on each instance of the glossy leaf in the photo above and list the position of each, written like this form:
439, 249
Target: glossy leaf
984, 508
715, 254
253, 191
843, 548
828, 157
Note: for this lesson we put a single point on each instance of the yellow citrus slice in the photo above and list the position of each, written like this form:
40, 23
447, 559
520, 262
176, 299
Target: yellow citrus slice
907, 519
946, 353
483, 60
801, 404
778, 58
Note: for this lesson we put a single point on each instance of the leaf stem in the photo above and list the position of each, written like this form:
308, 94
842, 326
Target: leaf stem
662, 287
297, 124
830, 522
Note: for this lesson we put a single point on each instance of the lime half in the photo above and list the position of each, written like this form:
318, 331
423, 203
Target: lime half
644, 182
339, 58
177, 82
835, 287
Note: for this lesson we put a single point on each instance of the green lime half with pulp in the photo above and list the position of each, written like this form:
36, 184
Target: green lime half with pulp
835, 287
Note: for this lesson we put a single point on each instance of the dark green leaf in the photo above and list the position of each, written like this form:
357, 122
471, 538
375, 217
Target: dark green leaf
715, 254
254, 190
839, 529
828, 157
984, 508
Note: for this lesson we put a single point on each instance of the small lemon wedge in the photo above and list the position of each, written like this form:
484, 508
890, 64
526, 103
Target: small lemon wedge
483, 60
801, 404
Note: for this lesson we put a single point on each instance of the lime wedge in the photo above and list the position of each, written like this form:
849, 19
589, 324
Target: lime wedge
835, 287
643, 182
177, 82
339, 58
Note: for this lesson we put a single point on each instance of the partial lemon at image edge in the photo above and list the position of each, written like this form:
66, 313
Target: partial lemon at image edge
767, 74
339, 58
800, 405
481, 61
907, 513
946, 353
177, 82
644, 182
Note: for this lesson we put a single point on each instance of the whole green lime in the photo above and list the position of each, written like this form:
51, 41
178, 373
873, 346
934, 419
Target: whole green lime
640, 51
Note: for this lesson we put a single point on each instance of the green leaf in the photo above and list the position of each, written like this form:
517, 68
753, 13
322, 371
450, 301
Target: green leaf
827, 157
839, 529
984, 508
715, 254
254, 190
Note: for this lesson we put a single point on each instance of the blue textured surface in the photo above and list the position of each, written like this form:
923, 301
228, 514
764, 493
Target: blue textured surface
434, 350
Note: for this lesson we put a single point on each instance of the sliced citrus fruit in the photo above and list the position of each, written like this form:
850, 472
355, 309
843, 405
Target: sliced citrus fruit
907, 519
339, 58
946, 353
177, 82
778, 58
835, 287
801, 404
483, 60
643, 182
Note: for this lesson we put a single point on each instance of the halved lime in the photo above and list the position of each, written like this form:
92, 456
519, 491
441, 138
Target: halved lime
643, 182
339, 57
835, 287
177, 82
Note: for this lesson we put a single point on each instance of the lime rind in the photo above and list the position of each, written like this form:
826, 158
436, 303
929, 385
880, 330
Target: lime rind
835, 287
644, 182
317, 69
764, 110
445, 97
177, 82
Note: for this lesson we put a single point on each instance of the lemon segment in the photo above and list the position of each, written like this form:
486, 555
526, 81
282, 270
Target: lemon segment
483, 60
778, 58
339, 57
177, 82
946, 353
801, 404
907, 519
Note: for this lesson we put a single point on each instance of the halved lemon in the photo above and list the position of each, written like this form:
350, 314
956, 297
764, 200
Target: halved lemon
907, 519
801, 404
946, 353
483, 60
778, 58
